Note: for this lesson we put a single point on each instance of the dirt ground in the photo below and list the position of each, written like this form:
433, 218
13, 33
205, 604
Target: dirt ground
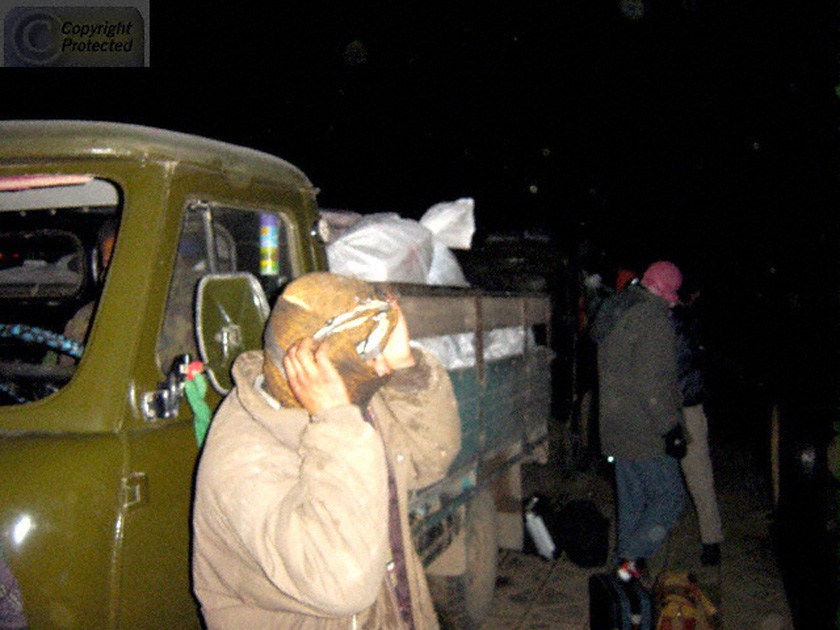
747, 587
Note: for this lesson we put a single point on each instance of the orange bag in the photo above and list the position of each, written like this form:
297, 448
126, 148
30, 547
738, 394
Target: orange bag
682, 605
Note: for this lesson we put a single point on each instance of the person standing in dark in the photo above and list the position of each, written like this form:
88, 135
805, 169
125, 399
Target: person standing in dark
697, 463
640, 406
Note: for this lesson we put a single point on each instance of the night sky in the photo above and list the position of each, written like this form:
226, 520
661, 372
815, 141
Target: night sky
704, 131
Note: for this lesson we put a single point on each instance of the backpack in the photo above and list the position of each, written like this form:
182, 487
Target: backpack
584, 533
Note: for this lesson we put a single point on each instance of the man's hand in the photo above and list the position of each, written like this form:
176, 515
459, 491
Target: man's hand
313, 378
397, 353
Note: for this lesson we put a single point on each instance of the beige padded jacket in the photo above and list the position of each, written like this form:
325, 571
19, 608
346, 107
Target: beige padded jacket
290, 519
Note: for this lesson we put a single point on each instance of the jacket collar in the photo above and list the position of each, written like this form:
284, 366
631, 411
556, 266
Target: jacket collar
286, 424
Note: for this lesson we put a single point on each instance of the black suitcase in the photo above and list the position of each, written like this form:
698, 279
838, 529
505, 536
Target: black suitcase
618, 605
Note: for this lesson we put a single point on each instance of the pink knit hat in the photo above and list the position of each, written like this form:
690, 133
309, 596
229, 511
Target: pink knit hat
664, 279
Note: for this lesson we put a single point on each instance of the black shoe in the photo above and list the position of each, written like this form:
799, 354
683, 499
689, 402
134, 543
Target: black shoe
710, 557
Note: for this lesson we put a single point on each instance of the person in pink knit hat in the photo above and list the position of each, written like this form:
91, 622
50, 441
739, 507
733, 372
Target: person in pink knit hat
640, 408
664, 279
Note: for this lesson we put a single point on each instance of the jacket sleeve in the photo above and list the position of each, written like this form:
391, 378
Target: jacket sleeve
418, 417
314, 521
656, 361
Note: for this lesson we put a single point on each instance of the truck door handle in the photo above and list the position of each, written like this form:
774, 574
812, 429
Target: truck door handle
135, 489
164, 402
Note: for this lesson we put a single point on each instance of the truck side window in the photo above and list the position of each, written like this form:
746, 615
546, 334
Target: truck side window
57, 233
217, 239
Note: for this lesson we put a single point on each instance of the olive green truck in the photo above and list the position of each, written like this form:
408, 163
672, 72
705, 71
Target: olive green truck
99, 339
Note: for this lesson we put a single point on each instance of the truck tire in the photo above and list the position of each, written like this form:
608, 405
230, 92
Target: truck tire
463, 601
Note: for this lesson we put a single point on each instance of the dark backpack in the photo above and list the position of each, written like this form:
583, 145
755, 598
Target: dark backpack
584, 533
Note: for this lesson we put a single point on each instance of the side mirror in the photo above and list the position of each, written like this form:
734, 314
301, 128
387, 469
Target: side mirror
230, 315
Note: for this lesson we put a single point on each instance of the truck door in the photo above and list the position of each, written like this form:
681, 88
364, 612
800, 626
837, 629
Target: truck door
216, 242
59, 454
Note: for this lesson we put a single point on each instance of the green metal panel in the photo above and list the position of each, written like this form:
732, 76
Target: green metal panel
154, 588
59, 513
43, 140
509, 408
504, 402
468, 391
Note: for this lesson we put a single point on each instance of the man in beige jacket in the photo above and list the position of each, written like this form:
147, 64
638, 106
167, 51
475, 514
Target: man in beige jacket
300, 517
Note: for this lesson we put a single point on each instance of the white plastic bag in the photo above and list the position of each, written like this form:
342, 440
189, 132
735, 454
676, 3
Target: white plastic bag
383, 247
445, 269
452, 222
457, 351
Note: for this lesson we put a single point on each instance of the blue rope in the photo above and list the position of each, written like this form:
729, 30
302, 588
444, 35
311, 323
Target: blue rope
11, 394
35, 335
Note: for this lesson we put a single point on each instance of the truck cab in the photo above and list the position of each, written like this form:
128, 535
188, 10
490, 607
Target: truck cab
98, 455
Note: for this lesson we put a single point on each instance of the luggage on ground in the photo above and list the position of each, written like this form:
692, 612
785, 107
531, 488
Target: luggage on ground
584, 533
682, 605
616, 604
578, 528
540, 526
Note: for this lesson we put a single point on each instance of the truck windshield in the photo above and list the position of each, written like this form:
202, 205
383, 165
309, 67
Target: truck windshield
57, 233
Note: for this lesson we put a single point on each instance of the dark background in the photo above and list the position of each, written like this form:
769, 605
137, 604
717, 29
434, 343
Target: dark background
700, 130
703, 131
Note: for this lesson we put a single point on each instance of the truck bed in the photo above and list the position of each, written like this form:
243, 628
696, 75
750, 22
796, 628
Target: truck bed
496, 348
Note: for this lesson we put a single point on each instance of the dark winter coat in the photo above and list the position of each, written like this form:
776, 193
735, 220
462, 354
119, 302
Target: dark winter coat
639, 394
689, 357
